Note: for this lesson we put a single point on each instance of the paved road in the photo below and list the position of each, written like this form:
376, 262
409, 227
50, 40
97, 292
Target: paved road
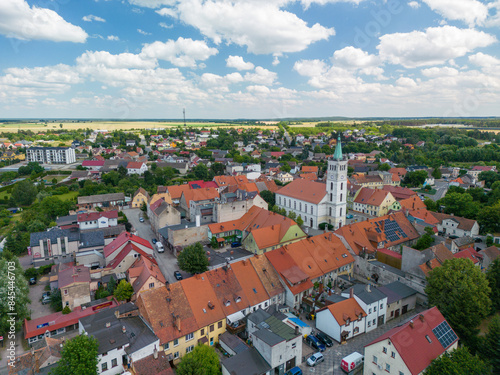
334, 355
166, 260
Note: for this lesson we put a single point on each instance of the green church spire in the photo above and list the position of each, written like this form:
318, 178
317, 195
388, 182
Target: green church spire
338, 150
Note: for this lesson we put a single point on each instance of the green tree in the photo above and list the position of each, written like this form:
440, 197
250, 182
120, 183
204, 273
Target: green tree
490, 344
24, 192
430, 204
292, 215
79, 357
111, 285
424, 242
56, 300
384, 167
203, 360
193, 259
201, 172
488, 219
285, 167
415, 179
269, 197
124, 291
493, 277
52, 207
14, 296
299, 220
459, 362
460, 205
460, 291
436, 173
66, 310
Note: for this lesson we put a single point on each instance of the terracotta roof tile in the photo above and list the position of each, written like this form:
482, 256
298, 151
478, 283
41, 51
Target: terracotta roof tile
305, 190
250, 282
200, 194
228, 290
267, 275
413, 203
348, 308
177, 190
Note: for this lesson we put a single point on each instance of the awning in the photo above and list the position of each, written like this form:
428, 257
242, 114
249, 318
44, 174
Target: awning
203, 340
220, 239
235, 317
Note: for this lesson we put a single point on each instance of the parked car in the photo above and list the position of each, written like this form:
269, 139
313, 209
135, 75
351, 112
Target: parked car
351, 362
32, 280
453, 237
153, 241
294, 371
159, 247
177, 275
141, 219
349, 216
315, 359
235, 244
45, 300
324, 339
45, 294
315, 343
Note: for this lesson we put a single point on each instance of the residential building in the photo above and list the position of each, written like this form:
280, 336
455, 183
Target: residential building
175, 192
284, 177
342, 320
247, 362
136, 167
193, 197
123, 337
318, 202
94, 220
141, 196
455, 225
488, 256
393, 352
40, 360
123, 251
161, 214
74, 283
374, 202
400, 299
233, 206
111, 201
372, 301
258, 230
51, 155
143, 275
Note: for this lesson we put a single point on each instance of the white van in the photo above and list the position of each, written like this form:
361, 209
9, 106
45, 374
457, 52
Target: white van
352, 362
159, 247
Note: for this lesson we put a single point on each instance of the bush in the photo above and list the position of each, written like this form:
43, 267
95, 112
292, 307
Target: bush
66, 310
323, 226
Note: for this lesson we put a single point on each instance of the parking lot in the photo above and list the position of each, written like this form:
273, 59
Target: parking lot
35, 307
166, 260
333, 355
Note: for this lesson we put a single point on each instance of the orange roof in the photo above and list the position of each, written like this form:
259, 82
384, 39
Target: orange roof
200, 194
202, 299
346, 309
177, 190
167, 309
425, 215
305, 190
309, 169
295, 279
250, 282
372, 197
429, 266
309, 176
230, 180
147, 269
267, 275
400, 172
250, 186
228, 290
413, 203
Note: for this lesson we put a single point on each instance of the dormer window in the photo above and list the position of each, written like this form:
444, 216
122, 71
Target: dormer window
237, 299
227, 303
347, 321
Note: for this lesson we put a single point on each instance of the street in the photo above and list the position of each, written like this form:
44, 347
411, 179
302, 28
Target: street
166, 260
333, 356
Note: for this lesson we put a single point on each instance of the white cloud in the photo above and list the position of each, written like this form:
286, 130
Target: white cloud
113, 38
151, 3
434, 46
483, 60
167, 12
120, 61
91, 18
276, 60
261, 76
19, 20
238, 63
165, 26
472, 12
354, 57
263, 27
435, 72
181, 52
414, 4
143, 32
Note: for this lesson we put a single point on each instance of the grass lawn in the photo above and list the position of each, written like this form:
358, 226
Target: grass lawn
430, 192
67, 196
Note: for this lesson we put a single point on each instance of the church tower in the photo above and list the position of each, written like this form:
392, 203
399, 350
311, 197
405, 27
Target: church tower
336, 188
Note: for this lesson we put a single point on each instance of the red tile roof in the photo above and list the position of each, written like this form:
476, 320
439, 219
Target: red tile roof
250, 282
399, 192
134, 164
177, 190
200, 194
92, 163
228, 290
372, 197
305, 190
92, 216
309, 169
144, 268
267, 275
72, 275
412, 345
124, 252
468, 253
413, 203
346, 309
121, 240
295, 279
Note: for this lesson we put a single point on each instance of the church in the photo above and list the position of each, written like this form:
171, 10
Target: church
319, 202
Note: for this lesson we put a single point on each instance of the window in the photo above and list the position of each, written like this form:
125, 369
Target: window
375, 308
373, 321
311, 210
189, 336
219, 325
279, 199
341, 211
384, 350
387, 367
374, 359
104, 366
189, 349
202, 332
393, 355
300, 206
294, 345
176, 355
114, 362
151, 285
428, 338
305, 208
331, 198
369, 324
401, 373
382, 306
166, 346
65, 292
369, 311
212, 328
176, 342
341, 186
341, 198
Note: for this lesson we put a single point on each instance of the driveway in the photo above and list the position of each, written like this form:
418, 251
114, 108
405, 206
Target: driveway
334, 355
36, 308
166, 260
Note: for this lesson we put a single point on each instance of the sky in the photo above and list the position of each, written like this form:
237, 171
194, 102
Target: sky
254, 59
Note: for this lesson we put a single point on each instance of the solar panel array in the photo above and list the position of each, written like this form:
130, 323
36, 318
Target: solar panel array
392, 230
444, 334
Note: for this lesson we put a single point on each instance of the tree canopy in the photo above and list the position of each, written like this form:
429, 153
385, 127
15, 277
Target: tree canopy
124, 291
193, 259
493, 277
460, 291
459, 362
203, 360
78, 357
24, 193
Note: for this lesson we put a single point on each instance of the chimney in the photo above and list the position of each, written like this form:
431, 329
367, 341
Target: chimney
382, 225
178, 322
368, 288
124, 329
351, 293
155, 353
297, 330
411, 324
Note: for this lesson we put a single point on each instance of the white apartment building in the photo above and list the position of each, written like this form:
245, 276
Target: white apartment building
51, 155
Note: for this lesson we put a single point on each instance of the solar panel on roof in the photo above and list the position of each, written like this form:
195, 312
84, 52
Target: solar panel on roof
444, 334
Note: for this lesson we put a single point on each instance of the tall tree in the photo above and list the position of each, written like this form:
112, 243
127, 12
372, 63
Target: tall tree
79, 357
124, 291
203, 360
460, 291
24, 192
459, 362
193, 259
490, 344
493, 277
14, 295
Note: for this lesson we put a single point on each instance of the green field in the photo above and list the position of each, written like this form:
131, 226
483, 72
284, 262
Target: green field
67, 196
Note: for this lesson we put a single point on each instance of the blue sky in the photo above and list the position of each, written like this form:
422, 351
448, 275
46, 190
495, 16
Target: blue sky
249, 58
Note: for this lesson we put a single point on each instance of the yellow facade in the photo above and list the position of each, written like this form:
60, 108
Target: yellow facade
139, 199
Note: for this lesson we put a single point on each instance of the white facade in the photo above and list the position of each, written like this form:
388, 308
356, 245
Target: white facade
279, 354
51, 155
138, 171
326, 322
376, 312
379, 362
102, 222
450, 226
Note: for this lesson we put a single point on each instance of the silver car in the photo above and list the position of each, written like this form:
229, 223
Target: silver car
315, 359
